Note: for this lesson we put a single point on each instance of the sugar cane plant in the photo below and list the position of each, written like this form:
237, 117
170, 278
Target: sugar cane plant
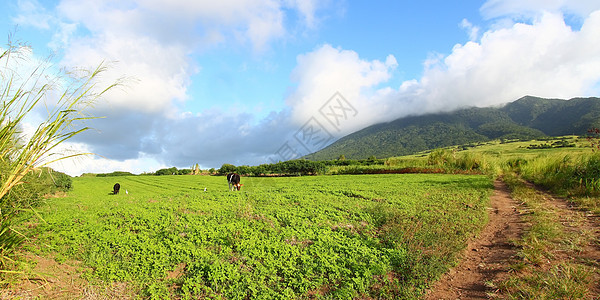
64, 97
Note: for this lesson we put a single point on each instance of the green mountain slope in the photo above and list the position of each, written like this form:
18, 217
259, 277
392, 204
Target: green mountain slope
526, 118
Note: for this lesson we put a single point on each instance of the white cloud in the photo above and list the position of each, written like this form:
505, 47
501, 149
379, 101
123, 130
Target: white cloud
472, 31
152, 42
546, 58
98, 164
307, 9
534, 8
160, 72
256, 22
62, 36
327, 70
210, 138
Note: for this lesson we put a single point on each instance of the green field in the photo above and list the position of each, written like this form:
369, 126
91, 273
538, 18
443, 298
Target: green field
342, 236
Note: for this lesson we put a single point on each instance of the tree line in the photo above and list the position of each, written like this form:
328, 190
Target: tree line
297, 167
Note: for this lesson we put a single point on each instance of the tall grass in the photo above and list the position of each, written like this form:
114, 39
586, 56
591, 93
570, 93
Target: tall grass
438, 161
453, 160
65, 97
566, 174
570, 173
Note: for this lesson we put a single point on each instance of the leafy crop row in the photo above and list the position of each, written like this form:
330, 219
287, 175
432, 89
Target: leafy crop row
377, 236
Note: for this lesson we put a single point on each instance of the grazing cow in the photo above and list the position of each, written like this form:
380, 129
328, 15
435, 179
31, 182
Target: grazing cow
116, 188
234, 181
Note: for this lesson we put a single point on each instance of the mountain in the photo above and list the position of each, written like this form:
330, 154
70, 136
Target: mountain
526, 118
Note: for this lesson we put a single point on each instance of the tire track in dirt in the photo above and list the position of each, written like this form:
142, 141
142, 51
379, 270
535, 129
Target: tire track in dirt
488, 256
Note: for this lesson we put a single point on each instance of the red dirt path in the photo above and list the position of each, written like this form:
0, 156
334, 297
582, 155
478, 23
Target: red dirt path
488, 256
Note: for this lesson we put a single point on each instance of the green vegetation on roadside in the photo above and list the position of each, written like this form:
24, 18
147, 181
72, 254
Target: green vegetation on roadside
549, 266
543, 271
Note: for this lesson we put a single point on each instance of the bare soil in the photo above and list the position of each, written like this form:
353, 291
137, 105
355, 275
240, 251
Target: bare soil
49, 279
488, 256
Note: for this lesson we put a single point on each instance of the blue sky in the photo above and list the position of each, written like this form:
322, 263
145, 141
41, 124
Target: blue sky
245, 82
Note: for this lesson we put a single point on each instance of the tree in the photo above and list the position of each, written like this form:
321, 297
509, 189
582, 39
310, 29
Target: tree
243, 170
226, 169
259, 170
167, 171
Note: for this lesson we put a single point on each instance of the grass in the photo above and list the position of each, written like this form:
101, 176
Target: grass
561, 281
545, 270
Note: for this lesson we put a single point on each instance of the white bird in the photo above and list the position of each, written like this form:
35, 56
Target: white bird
205, 189
126, 192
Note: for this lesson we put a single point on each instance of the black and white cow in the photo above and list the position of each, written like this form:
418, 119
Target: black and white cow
116, 188
233, 179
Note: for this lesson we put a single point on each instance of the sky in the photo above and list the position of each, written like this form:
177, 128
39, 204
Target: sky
248, 82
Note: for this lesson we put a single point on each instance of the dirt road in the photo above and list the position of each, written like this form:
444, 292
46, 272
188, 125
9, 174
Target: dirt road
488, 256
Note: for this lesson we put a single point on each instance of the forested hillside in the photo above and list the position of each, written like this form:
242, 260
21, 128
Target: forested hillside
525, 118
